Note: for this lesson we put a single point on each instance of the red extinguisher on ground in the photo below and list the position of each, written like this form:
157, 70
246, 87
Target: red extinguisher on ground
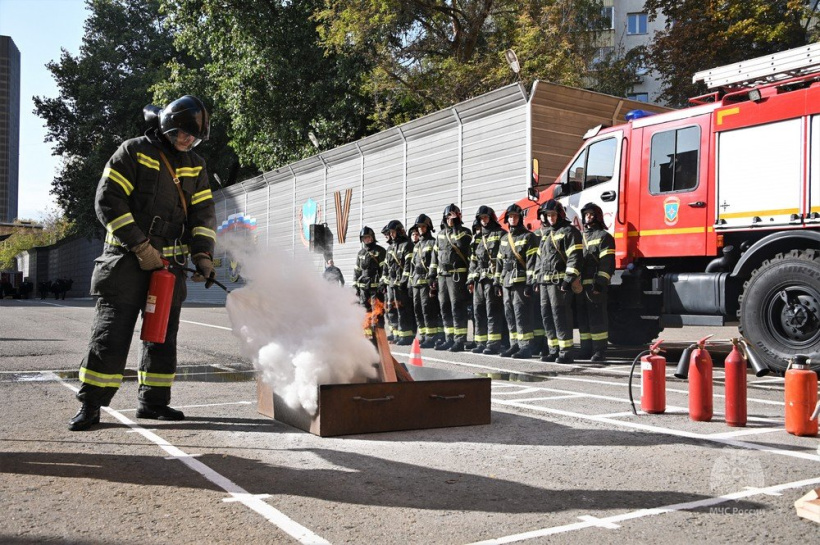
653, 380
696, 364
801, 397
158, 305
735, 369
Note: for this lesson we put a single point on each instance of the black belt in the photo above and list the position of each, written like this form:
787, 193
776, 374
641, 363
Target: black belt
165, 229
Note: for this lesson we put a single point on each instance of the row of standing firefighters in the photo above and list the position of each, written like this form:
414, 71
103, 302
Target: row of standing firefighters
519, 281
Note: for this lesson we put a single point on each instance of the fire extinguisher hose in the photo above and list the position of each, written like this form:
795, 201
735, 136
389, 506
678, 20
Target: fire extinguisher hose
631, 372
208, 282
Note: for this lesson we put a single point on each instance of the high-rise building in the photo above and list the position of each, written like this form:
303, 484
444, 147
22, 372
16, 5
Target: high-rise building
9, 128
630, 28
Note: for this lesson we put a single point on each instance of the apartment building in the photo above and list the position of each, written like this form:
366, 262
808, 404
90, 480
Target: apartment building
9, 128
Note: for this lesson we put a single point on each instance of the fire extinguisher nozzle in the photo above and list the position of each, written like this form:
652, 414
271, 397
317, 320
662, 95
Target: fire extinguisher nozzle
682, 370
760, 368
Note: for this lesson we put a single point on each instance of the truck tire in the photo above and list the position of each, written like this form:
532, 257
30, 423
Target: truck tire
780, 309
630, 328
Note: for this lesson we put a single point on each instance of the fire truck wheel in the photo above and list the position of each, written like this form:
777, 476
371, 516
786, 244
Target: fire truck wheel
629, 328
780, 309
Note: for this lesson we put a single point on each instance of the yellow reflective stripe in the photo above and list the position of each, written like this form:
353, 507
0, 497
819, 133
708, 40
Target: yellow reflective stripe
587, 282
448, 330
605, 275
480, 338
112, 240
532, 251
565, 343
119, 222
460, 330
600, 336
594, 242
557, 236
570, 270
156, 379
99, 379
147, 161
607, 252
586, 336
204, 232
494, 337
539, 332
168, 251
525, 336
576, 247
201, 196
188, 172
552, 343
112, 174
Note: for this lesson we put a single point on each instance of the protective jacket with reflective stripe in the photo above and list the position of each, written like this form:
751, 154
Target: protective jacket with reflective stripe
599, 255
396, 266
446, 260
560, 254
509, 271
421, 260
483, 261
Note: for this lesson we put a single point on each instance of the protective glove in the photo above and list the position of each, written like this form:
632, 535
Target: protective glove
599, 286
204, 269
566, 285
499, 291
527, 291
148, 257
433, 288
576, 286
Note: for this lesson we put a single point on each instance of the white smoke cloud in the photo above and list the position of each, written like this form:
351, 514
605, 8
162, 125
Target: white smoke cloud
299, 330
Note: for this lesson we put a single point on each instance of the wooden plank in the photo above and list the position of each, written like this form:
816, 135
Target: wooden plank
387, 373
808, 506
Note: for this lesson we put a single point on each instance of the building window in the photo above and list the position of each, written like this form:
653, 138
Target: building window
608, 17
636, 23
640, 97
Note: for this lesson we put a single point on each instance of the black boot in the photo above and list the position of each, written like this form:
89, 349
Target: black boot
566, 357
427, 343
492, 349
446, 345
598, 356
510, 351
87, 416
159, 412
523, 354
479, 349
458, 346
549, 357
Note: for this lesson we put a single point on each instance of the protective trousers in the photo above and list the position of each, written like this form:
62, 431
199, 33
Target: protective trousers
593, 321
390, 310
428, 315
539, 336
488, 313
518, 312
556, 311
104, 363
405, 319
453, 296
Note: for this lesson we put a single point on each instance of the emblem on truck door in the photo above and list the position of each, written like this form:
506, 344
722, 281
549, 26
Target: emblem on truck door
671, 206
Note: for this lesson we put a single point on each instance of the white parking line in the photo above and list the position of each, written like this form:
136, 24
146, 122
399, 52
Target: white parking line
238, 494
207, 325
594, 522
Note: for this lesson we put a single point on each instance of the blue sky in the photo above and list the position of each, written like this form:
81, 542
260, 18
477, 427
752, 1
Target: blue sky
39, 29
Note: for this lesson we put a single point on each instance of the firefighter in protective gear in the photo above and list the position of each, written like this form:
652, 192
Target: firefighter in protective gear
368, 269
516, 258
596, 273
397, 273
155, 202
425, 300
450, 266
557, 273
488, 309
387, 291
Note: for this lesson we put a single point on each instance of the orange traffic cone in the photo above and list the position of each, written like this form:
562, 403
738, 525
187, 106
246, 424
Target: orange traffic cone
415, 353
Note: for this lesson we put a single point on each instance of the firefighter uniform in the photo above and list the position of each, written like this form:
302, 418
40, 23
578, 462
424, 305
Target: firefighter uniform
367, 274
516, 257
488, 308
137, 199
557, 267
451, 260
425, 303
596, 274
390, 313
397, 276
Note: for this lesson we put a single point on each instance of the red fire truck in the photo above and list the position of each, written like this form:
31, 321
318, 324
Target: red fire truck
715, 208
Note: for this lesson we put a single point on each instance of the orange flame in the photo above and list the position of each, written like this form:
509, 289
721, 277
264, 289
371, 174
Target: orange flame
376, 312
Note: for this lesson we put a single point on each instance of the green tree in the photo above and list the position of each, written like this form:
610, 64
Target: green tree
428, 54
55, 227
704, 34
272, 81
126, 50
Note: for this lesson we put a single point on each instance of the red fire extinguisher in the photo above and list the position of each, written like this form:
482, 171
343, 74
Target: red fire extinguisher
700, 383
158, 305
735, 369
653, 380
801, 397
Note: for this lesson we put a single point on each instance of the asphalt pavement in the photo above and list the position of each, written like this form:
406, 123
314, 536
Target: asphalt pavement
564, 460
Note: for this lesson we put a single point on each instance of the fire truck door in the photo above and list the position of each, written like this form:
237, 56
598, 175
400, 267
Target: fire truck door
674, 195
593, 177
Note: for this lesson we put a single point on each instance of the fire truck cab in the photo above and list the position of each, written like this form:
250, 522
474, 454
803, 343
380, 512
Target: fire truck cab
715, 209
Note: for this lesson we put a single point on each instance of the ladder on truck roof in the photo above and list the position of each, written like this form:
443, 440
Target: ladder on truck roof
766, 69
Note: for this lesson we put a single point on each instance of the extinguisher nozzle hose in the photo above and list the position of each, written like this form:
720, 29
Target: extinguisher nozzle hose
682, 370
631, 372
209, 282
761, 369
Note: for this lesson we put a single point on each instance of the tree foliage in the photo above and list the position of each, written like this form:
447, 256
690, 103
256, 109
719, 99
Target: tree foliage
702, 34
55, 227
428, 54
125, 51
270, 78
